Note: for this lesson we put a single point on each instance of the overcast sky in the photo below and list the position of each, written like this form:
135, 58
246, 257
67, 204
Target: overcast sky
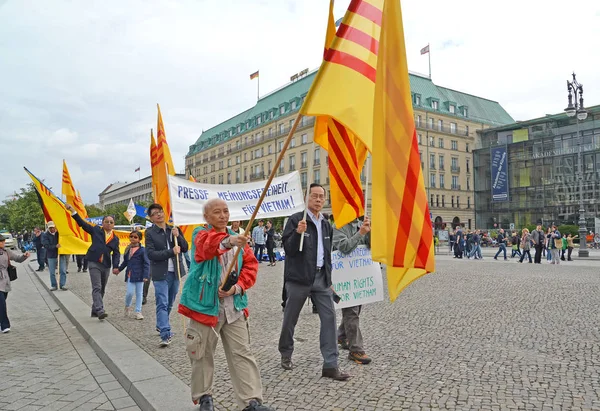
80, 79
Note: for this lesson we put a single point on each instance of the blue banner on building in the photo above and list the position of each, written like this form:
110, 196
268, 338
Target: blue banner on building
499, 157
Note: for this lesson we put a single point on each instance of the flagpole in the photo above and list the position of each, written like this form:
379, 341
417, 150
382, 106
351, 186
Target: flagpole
308, 183
139, 172
258, 87
367, 178
176, 245
264, 193
429, 55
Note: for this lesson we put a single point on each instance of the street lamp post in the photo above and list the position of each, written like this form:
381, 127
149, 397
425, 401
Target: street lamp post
575, 108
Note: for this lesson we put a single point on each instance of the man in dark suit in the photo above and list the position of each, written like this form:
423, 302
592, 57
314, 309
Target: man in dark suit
103, 253
162, 252
308, 272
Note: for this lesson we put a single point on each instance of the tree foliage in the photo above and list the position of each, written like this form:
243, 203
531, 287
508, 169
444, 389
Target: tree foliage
22, 211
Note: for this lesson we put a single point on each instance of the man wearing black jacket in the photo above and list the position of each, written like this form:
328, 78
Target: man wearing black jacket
309, 272
162, 251
104, 244
538, 238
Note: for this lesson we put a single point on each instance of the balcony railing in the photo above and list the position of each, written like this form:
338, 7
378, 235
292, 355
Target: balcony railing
445, 128
432, 166
455, 187
257, 176
455, 169
303, 164
441, 167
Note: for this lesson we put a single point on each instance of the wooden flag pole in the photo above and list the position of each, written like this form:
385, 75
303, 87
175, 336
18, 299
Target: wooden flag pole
263, 194
308, 183
176, 255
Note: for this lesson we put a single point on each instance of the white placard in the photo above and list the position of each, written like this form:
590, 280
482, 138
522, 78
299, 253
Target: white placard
283, 198
356, 278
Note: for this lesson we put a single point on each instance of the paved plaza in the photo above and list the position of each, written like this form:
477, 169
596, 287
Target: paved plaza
45, 364
480, 335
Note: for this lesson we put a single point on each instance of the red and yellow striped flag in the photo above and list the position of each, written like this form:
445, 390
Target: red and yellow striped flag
154, 165
347, 153
363, 85
164, 167
403, 236
68, 190
192, 179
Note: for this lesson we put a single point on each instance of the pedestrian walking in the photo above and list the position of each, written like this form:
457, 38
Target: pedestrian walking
564, 247
308, 272
5, 256
501, 244
476, 247
40, 251
50, 241
525, 245
101, 255
537, 237
346, 239
570, 246
549, 245
82, 263
137, 266
162, 252
216, 311
258, 238
555, 244
270, 242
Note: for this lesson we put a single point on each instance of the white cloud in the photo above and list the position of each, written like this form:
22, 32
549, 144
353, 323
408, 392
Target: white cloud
88, 75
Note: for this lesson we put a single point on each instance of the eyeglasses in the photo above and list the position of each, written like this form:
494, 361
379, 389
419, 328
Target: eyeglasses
109, 222
318, 196
133, 236
157, 213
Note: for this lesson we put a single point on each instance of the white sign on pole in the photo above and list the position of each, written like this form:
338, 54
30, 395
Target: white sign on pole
284, 197
356, 278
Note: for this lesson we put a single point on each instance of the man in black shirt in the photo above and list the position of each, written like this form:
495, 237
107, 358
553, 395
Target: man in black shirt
501, 244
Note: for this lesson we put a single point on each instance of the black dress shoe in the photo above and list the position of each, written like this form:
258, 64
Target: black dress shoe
254, 405
206, 403
335, 374
102, 316
286, 363
144, 301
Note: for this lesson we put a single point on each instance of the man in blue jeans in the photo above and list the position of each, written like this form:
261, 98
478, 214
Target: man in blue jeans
162, 252
501, 244
51, 244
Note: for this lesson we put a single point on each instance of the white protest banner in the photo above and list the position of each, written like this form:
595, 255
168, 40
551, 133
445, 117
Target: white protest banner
356, 278
284, 197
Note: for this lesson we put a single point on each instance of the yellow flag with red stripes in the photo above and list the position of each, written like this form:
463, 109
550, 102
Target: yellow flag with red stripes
154, 165
164, 166
72, 238
402, 233
339, 73
363, 85
72, 195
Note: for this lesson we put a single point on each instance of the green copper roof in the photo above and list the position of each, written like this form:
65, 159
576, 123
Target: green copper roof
290, 97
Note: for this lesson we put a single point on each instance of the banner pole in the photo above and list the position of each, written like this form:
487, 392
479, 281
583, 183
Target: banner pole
308, 183
264, 193
176, 255
367, 179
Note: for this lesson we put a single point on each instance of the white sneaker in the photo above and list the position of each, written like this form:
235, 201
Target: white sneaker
139, 316
6, 330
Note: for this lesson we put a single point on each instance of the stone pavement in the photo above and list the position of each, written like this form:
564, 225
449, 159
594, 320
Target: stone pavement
476, 335
45, 364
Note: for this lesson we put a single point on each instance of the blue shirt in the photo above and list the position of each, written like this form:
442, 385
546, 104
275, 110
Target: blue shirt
318, 222
258, 235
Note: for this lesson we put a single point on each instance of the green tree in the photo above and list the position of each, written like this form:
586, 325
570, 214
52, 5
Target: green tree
23, 211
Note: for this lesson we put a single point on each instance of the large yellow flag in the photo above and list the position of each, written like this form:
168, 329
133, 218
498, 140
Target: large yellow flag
73, 239
72, 195
403, 236
363, 85
347, 153
164, 165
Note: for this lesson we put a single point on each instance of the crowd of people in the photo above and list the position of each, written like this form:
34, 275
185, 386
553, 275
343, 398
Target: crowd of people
551, 244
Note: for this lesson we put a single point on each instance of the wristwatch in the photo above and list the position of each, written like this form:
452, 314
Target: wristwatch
227, 242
